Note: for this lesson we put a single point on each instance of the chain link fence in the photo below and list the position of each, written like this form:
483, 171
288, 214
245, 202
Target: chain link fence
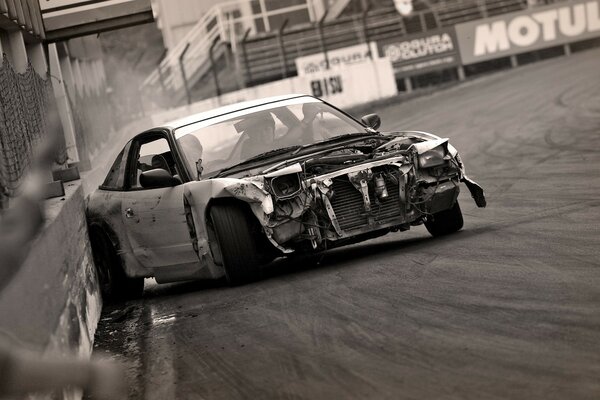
27, 111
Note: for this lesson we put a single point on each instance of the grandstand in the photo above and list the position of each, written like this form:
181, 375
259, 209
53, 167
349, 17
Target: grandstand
255, 58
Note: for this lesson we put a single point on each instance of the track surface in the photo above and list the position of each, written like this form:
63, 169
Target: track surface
507, 308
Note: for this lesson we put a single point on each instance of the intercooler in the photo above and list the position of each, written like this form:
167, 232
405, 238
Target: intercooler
349, 207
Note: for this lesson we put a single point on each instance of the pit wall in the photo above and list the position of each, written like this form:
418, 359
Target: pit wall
343, 87
52, 306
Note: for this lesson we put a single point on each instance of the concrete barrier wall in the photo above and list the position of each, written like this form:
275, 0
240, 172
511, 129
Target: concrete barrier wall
53, 305
343, 87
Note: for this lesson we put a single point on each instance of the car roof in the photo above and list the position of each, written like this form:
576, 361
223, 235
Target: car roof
215, 112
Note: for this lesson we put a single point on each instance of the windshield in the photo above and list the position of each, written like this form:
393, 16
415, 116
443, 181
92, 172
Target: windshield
221, 142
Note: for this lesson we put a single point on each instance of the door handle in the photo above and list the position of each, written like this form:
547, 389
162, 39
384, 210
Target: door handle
129, 213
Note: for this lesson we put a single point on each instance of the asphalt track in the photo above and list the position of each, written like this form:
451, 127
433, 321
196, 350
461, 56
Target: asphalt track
507, 308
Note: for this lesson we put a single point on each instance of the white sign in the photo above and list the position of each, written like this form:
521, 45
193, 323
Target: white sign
529, 30
418, 48
337, 58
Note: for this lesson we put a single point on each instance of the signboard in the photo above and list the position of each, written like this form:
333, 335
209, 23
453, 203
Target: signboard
529, 30
354, 84
66, 19
422, 53
343, 57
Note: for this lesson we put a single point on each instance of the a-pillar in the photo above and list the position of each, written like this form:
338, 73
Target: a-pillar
62, 103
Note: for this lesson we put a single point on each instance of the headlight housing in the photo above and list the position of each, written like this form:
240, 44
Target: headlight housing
433, 157
285, 186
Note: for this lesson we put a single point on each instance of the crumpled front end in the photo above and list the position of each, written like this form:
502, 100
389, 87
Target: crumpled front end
332, 197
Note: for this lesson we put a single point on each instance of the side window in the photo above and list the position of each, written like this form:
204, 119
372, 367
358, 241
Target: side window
151, 154
112, 181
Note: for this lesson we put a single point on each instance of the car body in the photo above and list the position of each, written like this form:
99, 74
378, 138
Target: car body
210, 195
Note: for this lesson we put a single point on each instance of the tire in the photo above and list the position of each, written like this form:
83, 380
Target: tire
237, 238
445, 222
114, 284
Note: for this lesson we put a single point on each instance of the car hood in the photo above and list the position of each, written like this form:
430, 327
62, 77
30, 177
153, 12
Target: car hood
343, 153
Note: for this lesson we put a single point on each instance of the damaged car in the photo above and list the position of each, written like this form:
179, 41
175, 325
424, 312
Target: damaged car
221, 193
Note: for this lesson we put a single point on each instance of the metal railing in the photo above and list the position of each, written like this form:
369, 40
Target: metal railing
269, 56
213, 26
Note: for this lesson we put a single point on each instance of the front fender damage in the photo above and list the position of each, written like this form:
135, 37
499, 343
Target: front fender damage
301, 206
280, 220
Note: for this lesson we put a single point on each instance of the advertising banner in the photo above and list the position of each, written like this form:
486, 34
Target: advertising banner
352, 85
421, 53
533, 29
337, 58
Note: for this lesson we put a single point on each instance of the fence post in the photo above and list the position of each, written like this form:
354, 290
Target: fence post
422, 21
408, 84
282, 55
438, 22
245, 56
213, 67
461, 73
482, 8
183, 76
322, 38
365, 28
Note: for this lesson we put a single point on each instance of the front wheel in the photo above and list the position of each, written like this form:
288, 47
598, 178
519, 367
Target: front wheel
238, 245
445, 222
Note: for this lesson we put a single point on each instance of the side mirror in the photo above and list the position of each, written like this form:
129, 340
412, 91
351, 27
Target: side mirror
158, 178
371, 121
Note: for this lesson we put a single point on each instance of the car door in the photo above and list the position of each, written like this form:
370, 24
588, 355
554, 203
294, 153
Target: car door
154, 219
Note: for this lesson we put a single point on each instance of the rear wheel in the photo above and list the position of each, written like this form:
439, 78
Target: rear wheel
114, 284
238, 244
445, 222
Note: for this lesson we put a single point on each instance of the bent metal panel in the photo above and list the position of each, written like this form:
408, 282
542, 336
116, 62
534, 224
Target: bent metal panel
534, 29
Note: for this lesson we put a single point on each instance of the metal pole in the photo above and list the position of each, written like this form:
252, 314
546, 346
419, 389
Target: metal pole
245, 55
282, 55
213, 67
322, 38
183, 76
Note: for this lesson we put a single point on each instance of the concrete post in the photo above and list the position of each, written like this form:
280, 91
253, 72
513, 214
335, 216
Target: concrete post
513, 61
408, 84
37, 58
62, 103
567, 49
461, 73
18, 51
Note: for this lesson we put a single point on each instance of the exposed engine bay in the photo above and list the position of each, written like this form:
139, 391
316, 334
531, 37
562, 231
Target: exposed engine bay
367, 187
